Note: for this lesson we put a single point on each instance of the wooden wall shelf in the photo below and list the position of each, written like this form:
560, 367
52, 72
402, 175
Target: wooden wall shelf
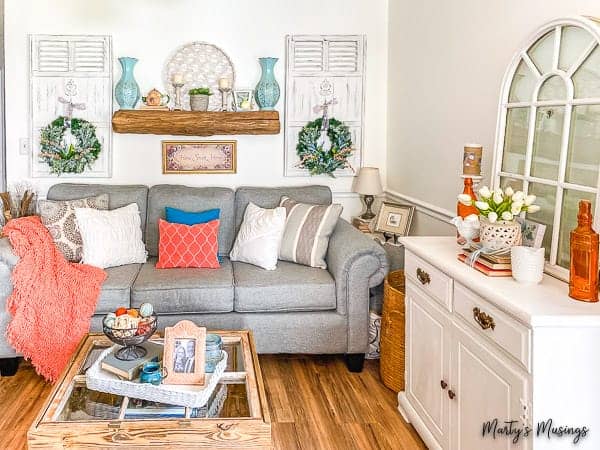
195, 123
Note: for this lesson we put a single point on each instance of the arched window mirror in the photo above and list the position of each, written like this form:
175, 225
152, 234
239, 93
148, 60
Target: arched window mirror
548, 136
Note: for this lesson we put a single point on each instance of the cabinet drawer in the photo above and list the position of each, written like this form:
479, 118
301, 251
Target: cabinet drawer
433, 281
489, 321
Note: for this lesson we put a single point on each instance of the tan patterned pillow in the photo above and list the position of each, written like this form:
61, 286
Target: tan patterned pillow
59, 218
307, 231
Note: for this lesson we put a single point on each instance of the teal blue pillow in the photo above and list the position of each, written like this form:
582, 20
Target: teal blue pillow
174, 215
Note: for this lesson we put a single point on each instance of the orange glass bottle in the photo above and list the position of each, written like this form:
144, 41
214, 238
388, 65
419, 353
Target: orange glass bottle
583, 278
464, 210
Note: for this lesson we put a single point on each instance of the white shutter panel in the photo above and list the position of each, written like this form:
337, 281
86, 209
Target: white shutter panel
89, 56
343, 56
308, 56
80, 66
318, 68
52, 56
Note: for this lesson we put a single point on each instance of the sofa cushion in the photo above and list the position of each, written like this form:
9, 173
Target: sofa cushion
181, 291
116, 289
290, 287
190, 199
118, 195
270, 198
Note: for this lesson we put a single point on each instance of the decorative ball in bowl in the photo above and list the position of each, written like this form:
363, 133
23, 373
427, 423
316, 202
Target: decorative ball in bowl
130, 328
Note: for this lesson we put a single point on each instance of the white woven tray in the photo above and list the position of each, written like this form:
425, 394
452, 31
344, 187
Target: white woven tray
191, 396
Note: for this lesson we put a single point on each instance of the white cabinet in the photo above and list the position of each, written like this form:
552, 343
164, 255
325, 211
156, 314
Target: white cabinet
485, 386
427, 331
479, 349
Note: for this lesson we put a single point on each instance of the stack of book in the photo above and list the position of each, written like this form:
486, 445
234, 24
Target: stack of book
130, 370
362, 224
490, 265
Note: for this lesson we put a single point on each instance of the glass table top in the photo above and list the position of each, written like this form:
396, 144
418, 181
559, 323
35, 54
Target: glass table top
229, 399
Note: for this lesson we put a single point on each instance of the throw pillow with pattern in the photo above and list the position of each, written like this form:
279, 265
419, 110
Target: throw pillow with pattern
307, 231
181, 245
59, 218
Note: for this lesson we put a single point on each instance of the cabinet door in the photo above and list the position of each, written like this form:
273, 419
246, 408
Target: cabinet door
427, 361
485, 385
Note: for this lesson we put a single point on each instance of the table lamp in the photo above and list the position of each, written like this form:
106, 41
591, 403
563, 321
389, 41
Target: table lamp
368, 183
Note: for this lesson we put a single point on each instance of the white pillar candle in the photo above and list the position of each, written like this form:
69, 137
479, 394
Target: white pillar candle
224, 83
177, 78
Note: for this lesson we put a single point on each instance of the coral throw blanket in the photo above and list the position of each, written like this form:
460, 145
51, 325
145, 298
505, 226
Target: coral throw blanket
52, 299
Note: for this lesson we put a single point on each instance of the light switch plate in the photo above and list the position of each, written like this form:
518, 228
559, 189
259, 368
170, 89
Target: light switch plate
23, 146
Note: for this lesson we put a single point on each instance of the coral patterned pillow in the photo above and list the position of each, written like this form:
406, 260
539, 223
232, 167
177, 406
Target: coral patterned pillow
182, 245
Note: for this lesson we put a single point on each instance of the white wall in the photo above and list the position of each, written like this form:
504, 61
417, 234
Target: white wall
446, 63
151, 29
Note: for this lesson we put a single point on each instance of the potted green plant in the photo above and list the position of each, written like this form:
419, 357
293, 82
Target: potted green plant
199, 98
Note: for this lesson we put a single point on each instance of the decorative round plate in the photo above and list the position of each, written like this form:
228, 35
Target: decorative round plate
201, 65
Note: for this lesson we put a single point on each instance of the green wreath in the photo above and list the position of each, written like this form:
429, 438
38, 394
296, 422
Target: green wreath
72, 158
317, 159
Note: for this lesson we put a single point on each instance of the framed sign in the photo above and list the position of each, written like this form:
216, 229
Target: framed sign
181, 157
184, 353
394, 218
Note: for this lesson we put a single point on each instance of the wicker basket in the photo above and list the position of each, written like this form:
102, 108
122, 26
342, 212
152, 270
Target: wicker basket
391, 365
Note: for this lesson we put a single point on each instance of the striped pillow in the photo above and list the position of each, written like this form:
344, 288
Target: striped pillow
307, 231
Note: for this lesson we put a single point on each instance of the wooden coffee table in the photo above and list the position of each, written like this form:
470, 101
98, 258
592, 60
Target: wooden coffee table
76, 417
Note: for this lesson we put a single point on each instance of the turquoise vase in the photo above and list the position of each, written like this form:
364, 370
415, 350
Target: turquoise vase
267, 89
127, 90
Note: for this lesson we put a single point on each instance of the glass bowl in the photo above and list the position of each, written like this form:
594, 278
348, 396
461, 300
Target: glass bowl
131, 338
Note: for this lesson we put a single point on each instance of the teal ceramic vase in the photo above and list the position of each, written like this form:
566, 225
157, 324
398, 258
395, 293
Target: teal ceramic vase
267, 89
127, 90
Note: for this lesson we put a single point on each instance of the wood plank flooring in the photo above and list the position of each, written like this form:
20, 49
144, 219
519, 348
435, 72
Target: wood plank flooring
315, 404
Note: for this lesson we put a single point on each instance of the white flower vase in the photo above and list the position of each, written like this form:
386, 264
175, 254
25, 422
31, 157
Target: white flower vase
500, 234
527, 264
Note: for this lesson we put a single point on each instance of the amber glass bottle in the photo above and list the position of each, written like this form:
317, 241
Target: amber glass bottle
464, 210
583, 278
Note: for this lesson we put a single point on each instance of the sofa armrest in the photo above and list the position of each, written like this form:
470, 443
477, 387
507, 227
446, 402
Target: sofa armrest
357, 263
7, 256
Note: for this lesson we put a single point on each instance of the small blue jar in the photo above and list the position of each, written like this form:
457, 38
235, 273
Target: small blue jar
214, 345
151, 373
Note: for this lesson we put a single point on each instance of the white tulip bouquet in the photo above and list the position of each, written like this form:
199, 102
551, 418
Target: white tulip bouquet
501, 204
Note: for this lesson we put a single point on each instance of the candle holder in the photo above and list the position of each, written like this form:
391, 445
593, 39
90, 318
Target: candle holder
224, 97
177, 106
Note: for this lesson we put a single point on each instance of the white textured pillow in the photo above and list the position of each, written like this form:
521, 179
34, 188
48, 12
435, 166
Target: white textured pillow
111, 238
259, 237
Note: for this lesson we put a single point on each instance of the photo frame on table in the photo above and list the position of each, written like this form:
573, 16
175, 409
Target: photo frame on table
190, 157
532, 232
394, 218
184, 354
239, 95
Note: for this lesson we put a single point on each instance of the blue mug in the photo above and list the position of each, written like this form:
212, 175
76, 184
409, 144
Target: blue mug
152, 373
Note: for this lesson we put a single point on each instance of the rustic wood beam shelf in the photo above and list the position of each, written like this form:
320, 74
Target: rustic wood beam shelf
195, 123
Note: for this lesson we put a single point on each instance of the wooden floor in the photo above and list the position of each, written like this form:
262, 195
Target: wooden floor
315, 403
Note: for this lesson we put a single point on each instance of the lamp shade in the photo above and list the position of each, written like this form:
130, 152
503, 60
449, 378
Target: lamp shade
368, 181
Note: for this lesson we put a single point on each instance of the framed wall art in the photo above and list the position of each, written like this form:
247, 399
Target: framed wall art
184, 353
181, 157
394, 218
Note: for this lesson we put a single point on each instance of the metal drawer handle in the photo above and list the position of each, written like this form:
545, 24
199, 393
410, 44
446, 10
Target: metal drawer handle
443, 384
423, 276
451, 394
484, 320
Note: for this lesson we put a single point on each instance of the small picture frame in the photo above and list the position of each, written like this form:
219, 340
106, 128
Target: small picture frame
394, 218
193, 157
184, 354
532, 233
240, 95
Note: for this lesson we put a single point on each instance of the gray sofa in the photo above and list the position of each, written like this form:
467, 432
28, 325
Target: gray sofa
293, 309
